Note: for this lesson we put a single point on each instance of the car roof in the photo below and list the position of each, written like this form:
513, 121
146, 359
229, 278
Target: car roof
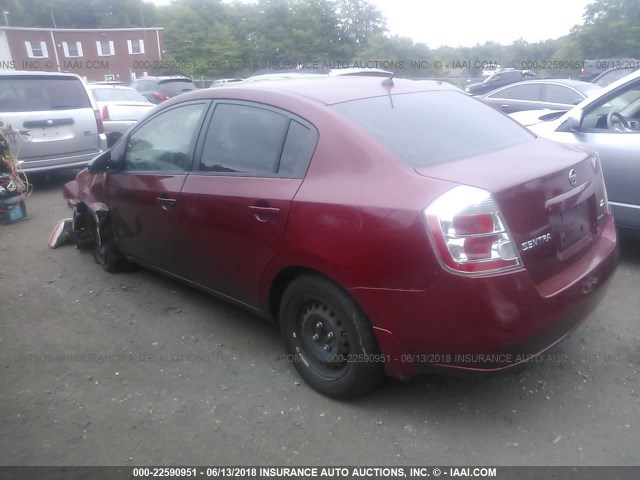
283, 76
633, 76
164, 78
326, 90
359, 71
563, 81
23, 73
576, 84
95, 86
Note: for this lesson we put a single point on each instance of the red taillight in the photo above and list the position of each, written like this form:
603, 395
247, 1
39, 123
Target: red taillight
105, 113
469, 233
479, 248
470, 224
99, 121
161, 96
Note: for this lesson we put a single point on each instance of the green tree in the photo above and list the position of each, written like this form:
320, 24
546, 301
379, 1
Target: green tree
611, 29
358, 21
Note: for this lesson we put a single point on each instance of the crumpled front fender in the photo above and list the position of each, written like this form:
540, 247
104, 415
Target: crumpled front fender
87, 196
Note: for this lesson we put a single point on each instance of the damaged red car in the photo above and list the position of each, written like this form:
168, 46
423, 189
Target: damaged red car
388, 226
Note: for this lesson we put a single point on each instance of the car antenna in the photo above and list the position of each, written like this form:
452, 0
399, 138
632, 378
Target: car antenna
388, 84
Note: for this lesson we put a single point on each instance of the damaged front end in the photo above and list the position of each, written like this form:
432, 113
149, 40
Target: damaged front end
90, 226
86, 195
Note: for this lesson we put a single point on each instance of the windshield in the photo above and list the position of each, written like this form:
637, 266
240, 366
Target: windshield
428, 128
610, 77
118, 94
25, 94
176, 87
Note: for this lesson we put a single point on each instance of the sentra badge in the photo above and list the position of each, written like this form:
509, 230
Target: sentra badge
536, 242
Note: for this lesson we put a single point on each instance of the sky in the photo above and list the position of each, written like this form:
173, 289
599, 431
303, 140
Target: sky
469, 22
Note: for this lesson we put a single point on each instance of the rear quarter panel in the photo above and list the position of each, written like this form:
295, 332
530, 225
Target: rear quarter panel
357, 217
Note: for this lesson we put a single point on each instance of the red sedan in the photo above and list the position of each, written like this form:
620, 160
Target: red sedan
387, 225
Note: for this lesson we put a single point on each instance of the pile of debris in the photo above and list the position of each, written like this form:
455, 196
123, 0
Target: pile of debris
14, 186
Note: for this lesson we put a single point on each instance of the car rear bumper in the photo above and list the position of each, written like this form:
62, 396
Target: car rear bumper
489, 323
58, 163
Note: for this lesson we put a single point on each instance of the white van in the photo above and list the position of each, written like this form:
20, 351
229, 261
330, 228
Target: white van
60, 115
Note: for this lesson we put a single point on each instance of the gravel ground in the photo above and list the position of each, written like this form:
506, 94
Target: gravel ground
135, 369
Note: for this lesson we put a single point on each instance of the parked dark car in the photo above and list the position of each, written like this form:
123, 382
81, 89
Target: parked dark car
159, 89
613, 74
592, 68
365, 216
608, 123
498, 80
540, 94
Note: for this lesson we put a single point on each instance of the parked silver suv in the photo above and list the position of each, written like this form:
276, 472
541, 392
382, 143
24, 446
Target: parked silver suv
62, 119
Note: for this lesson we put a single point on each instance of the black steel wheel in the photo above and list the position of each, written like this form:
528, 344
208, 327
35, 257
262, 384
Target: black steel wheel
329, 339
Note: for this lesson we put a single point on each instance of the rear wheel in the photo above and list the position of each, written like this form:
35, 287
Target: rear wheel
330, 340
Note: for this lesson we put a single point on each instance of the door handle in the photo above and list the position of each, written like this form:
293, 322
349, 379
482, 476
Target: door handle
166, 203
263, 214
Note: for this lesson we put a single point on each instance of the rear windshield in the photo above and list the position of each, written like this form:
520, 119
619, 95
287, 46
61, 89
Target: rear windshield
118, 94
427, 128
27, 94
176, 87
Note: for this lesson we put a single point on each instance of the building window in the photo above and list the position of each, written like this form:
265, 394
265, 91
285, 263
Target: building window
37, 49
72, 49
105, 48
136, 47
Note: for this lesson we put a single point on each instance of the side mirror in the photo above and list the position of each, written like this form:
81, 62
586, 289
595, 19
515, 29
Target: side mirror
100, 163
574, 120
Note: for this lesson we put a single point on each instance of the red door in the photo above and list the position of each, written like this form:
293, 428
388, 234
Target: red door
235, 204
144, 197
235, 227
145, 215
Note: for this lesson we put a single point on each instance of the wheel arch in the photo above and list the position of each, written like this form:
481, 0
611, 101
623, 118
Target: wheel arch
88, 221
283, 279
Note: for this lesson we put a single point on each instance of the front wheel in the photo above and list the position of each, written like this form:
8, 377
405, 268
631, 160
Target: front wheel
106, 253
329, 338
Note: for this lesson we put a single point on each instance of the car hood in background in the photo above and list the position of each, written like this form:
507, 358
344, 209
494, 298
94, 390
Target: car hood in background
540, 122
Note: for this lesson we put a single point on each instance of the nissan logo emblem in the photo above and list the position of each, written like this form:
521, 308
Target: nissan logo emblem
573, 178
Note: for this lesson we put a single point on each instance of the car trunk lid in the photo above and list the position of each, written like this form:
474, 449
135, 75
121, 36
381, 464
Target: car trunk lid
124, 110
551, 196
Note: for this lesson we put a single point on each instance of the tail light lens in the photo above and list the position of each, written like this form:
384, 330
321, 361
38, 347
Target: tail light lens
105, 113
161, 96
603, 185
469, 233
99, 121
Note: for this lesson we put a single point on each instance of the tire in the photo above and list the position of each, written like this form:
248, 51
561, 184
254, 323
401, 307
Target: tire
329, 338
107, 254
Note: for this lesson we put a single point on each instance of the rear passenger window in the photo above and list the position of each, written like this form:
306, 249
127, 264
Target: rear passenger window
559, 94
244, 139
298, 150
524, 92
26, 93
